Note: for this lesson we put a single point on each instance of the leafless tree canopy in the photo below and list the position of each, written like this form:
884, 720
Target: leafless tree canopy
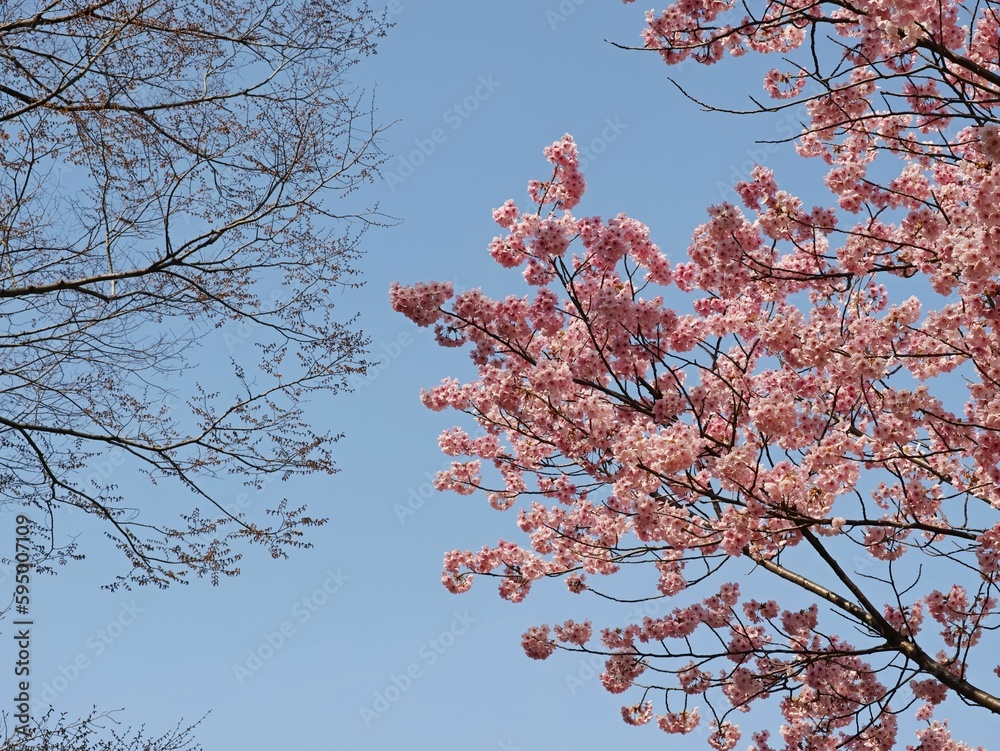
168, 170
98, 731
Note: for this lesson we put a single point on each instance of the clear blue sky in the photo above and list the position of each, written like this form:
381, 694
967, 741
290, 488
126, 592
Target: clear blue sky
476, 90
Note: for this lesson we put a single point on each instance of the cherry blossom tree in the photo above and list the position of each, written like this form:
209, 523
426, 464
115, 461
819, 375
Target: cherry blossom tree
167, 172
811, 397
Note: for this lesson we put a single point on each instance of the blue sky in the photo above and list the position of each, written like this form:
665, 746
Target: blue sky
297, 653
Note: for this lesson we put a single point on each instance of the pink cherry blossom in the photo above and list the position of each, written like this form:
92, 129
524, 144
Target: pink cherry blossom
785, 436
638, 714
537, 644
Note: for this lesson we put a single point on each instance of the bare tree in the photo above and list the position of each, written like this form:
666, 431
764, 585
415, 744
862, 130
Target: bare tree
95, 732
167, 169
